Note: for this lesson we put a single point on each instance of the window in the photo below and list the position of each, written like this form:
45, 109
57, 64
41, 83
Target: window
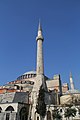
37, 118
32, 83
79, 111
60, 110
10, 108
0, 109
48, 115
28, 82
7, 116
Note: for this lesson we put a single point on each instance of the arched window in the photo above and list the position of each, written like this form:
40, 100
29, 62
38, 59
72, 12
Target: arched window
48, 115
60, 110
23, 114
0, 109
9, 108
37, 117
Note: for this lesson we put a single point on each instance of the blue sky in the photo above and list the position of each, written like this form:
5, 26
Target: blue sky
61, 30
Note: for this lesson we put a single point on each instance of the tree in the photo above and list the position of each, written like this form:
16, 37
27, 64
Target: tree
70, 112
56, 115
41, 106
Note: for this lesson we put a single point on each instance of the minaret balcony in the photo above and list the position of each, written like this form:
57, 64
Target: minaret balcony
39, 38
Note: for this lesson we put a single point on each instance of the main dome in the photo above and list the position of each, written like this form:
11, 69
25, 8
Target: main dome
30, 72
26, 75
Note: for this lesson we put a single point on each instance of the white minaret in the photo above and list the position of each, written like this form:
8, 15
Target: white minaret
71, 82
40, 79
40, 64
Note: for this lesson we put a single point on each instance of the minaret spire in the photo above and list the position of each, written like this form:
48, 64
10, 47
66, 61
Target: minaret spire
39, 36
71, 82
39, 39
39, 27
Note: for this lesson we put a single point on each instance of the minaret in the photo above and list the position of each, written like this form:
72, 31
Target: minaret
40, 64
40, 79
71, 82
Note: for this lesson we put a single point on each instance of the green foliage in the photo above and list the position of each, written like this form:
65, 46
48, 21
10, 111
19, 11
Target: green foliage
56, 114
70, 112
41, 106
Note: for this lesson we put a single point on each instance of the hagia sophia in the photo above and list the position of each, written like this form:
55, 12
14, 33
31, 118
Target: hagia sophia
18, 98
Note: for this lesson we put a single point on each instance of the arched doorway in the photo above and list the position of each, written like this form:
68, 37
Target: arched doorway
48, 115
23, 114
